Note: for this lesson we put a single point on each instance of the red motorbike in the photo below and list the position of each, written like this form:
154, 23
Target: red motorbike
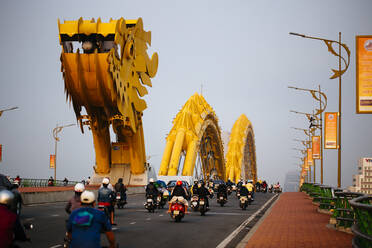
177, 211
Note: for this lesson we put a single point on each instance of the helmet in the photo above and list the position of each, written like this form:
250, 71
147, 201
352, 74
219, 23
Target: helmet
151, 180
87, 197
179, 183
105, 181
6, 197
79, 187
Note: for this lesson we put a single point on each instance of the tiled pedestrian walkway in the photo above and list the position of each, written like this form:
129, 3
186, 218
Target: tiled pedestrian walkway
294, 222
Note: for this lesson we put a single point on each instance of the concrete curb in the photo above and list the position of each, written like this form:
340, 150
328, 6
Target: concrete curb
63, 195
247, 237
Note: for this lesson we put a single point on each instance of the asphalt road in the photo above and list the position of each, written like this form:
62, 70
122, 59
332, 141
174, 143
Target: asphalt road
138, 228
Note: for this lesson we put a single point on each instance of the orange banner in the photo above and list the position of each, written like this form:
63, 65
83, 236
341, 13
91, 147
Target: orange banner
1, 153
52, 162
310, 160
330, 130
316, 147
364, 74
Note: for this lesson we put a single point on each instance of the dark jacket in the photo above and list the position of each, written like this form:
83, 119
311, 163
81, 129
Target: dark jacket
120, 187
105, 195
179, 191
222, 189
244, 191
203, 192
151, 190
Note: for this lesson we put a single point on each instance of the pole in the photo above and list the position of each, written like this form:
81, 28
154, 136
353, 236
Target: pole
321, 138
55, 158
339, 111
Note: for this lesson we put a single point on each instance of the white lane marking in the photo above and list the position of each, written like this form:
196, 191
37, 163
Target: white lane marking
161, 215
115, 228
132, 223
225, 213
29, 219
55, 246
55, 215
227, 240
148, 219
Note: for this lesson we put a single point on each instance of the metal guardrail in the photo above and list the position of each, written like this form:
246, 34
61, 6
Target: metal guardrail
362, 229
30, 182
351, 211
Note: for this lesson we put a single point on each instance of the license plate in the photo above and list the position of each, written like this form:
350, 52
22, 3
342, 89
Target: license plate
201, 203
194, 204
221, 198
118, 197
249, 196
149, 200
176, 212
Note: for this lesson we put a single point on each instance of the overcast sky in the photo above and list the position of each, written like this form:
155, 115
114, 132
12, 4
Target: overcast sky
239, 50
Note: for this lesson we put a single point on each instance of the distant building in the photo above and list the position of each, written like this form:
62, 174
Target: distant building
362, 182
292, 180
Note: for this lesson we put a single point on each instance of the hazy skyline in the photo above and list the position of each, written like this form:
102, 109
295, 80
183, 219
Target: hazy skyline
240, 51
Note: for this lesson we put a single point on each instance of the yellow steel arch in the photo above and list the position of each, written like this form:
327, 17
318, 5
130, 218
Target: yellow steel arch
241, 153
106, 68
195, 132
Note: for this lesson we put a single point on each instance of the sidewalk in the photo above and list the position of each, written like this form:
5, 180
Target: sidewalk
294, 222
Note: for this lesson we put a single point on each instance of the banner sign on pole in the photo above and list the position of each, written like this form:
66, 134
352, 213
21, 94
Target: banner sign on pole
363, 74
52, 162
330, 130
310, 161
316, 147
1, 153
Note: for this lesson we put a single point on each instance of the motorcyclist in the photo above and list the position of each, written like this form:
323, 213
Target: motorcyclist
244, 190
106, 197
264, 185
86, 224
222, 189
211, 184
10, 225
229, 183
120, 187
240, 183
151, 190
203, 192
194, 188
179, 193
250, 187
74, 202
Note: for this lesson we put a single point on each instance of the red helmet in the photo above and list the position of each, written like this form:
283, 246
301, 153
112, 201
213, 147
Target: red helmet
179, 183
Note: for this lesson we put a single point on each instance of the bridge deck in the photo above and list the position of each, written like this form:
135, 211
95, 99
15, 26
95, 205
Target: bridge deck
295, 222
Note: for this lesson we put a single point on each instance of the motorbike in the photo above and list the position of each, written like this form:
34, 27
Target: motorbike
221, 199
150, 205
233, 187
270, 189
103, 206
177, 211
277, 190
243, 202
238, 192
194, 203
120, 202
211, 193
202, 206
15, 243
162, 199
229, 190
264, 188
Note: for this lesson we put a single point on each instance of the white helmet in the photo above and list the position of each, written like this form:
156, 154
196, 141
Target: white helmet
105, 181
151, 180
79, 187
6, 197
87, 197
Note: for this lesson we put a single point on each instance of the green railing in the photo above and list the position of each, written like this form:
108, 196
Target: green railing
362, 229
343, 212
31, 182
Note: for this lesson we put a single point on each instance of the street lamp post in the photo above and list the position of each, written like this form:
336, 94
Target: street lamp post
9, 109
336, 74
322, 98
56, 131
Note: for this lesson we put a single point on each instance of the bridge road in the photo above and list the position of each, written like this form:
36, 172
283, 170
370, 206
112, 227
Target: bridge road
138, 228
